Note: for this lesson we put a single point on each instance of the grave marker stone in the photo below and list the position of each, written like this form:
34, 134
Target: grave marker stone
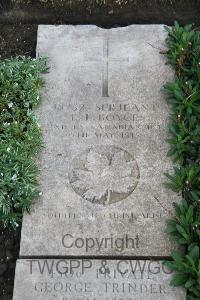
101, 173
102, 169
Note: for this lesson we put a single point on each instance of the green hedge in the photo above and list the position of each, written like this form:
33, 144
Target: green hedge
20, 136
184, 99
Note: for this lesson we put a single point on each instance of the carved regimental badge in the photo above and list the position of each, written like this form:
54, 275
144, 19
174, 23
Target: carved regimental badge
104, 174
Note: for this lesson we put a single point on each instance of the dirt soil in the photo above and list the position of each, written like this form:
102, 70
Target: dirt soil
9, 252
17, 40
105, 13
14, 40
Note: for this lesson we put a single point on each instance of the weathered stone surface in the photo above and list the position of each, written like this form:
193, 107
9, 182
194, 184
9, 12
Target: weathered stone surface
104, 121
94, 280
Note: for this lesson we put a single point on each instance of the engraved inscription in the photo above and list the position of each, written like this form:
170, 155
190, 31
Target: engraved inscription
105, 60
104, 174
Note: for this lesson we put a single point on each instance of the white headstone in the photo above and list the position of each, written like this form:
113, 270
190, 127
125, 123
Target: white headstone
101, 173
104, 121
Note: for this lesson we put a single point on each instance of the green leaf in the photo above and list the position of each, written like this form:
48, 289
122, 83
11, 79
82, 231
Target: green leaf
189, 283
194, 253
177, 256
179, 279
170, 229
182, 231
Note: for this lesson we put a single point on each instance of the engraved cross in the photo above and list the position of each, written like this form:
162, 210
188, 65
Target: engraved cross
106, 59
